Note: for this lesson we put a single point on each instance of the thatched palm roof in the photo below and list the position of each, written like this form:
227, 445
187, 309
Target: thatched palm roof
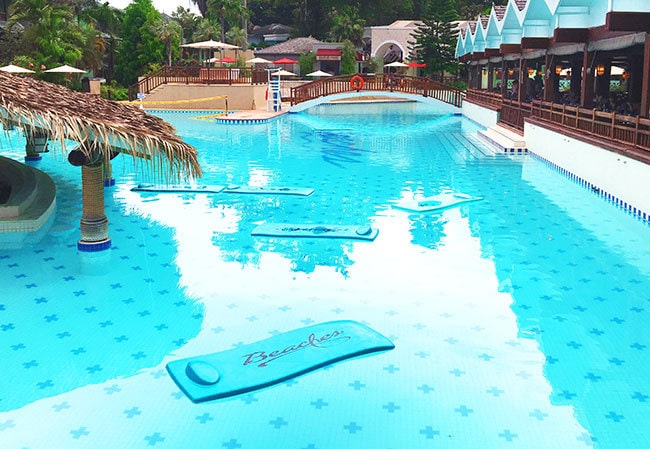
99, 125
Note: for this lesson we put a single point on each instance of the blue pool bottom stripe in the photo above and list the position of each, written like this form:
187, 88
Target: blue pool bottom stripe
296, 230
274, 360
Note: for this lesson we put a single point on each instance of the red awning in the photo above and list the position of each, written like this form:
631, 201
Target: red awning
285, 61
328, 52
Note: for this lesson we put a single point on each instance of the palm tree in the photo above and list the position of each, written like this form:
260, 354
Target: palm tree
346, 25
188, 22
205, 30
169, 32
94, 49
227, 11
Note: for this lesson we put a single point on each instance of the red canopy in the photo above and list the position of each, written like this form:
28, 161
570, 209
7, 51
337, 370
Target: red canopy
285, 61
417, 64
226, 60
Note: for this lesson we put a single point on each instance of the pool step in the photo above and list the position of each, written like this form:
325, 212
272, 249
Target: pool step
504, 140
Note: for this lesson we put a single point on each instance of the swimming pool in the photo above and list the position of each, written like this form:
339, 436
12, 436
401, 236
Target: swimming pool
518, 320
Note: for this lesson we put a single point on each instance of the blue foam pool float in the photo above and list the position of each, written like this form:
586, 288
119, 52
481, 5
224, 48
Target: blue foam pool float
274, 360
319, 231
178, 188
269, 190
436, 203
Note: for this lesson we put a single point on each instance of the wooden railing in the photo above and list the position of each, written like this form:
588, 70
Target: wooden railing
485, 98
513, 113
622, 133
628, 130
197, 75
407, 84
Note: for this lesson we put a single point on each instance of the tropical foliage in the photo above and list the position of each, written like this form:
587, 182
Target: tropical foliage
106, 41
139, 46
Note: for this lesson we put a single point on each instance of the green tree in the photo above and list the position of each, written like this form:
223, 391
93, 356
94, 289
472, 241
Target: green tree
228, 12
348, 58
139, 46
92, 56
169, 32
51, 34
306, 62
108, 21
346, 25
188, 22
435, 40
237, 36
206, 29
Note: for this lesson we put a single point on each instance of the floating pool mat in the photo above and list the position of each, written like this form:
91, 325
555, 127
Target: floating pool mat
437, 203
178, 188
303, 191
319, 231
274, 360
182, 188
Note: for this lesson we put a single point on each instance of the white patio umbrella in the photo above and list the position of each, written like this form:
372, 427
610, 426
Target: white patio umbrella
283, 73
15, 69
65, 69
209, 44
318, 73
396, 64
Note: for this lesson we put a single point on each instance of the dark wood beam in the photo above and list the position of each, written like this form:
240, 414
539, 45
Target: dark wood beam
510, 49
492, 52
535, 42
579, 35
627, 21
645, 86
478, 55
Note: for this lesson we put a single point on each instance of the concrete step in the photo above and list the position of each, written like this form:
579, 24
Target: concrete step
504, 140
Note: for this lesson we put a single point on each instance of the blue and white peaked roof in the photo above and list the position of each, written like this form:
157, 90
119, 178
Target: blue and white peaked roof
520, 19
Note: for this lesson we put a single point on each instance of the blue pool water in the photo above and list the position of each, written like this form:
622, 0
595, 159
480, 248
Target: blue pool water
520, 321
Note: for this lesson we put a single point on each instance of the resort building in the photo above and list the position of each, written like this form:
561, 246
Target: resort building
568, 81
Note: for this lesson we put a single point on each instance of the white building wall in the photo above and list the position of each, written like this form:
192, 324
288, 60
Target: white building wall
614, 175
482, 116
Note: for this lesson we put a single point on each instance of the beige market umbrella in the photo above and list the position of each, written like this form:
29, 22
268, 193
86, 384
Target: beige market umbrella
396, 64
15, 69
258, 60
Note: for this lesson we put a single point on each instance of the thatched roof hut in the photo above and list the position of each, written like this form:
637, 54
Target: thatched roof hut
101, 127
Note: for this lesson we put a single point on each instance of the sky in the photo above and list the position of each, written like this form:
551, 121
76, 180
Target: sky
166, 6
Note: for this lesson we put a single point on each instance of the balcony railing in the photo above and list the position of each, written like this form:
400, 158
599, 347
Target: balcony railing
622, 133
197, 75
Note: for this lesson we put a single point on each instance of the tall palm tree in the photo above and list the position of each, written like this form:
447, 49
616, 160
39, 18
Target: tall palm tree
227, 11
169, 33
188, 22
